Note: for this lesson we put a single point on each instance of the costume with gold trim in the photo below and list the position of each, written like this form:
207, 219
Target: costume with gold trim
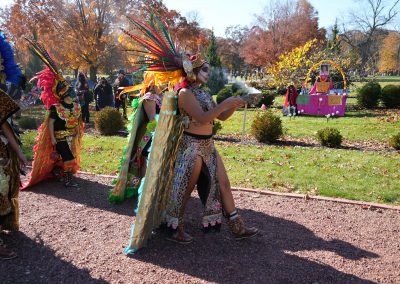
168, 65
135, 153
10, 181
63, 159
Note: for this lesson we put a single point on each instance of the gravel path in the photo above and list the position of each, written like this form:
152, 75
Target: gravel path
76, 236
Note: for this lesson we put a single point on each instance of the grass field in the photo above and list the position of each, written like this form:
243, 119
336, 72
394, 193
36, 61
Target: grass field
328, 172
356, 125
353, 174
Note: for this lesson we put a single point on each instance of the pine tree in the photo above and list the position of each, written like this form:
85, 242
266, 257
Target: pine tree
333, 43
212, 55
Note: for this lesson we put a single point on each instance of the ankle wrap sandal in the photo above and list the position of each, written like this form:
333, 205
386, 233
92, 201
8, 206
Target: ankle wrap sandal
239, 230
178, 235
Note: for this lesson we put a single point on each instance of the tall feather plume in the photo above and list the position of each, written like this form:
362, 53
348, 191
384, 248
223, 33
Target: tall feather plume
161, 54
42, 53
48, 78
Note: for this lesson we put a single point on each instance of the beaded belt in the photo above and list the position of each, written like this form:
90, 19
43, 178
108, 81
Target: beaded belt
62, 134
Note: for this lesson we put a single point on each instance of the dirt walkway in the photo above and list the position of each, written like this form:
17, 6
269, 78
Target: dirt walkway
70, 236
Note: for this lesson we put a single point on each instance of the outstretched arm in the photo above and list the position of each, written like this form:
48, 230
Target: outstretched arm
189, 103
226, 114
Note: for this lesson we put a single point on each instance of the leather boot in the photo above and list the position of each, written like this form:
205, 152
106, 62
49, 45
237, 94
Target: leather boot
68, 182
239, 230
58, 173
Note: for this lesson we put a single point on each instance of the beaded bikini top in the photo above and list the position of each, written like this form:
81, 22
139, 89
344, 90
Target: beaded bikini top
205, 101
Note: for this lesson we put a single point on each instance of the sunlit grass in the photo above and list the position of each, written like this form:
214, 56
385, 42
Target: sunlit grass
323, 171
366, 176
355, 126
100, 154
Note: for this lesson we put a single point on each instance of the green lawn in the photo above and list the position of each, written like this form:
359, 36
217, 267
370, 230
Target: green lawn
353, 174
100, 154
328, 172
356, 125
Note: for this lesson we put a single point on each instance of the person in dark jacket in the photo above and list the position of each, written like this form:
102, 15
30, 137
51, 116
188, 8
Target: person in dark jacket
120, 101
84, 95
103, 94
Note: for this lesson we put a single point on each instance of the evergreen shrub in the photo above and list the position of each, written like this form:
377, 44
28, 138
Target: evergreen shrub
216, 80
391, 96
267, 127
267, 98
27, 122
394, 141
223, 94
329, 137
368, 95
108, 121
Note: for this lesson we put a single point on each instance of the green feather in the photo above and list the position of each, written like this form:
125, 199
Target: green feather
166, 34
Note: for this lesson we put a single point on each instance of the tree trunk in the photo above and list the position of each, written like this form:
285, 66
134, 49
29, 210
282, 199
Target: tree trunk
93, 73
76, 73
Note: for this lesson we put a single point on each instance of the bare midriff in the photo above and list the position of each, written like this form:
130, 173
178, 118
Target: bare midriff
199, 129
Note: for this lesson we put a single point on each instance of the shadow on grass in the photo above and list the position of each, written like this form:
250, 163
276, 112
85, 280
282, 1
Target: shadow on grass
305, 144
37, 263
90, 193
269, 257
364, 114
395, 79
287, 143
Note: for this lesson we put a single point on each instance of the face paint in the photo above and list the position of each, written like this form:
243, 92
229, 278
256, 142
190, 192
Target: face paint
204, 69
203, 74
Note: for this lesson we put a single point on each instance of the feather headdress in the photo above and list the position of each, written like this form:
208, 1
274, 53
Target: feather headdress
8, 66
50, 80
159, 55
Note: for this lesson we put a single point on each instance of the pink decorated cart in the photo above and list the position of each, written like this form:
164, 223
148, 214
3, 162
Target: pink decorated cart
323, 99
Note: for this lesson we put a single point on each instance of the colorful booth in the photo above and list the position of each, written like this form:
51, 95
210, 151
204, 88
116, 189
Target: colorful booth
323, 99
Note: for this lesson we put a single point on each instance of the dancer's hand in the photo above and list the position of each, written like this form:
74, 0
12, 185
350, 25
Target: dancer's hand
234, 102
53, 141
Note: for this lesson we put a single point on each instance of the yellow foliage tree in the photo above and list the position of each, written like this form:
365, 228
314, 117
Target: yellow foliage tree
389, 53
292, 67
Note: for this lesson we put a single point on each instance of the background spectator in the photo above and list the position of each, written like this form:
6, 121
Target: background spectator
103, 94
121, 81
85, 97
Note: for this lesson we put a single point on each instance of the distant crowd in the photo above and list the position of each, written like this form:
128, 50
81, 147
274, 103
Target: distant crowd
102, 92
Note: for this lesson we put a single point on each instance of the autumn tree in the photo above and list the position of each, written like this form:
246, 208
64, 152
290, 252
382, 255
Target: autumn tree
28, 19
281, 28
78, 34
86, 27
293, 66
365, 32
187, 32
34, 63
83, 33
229, 48
389, 53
